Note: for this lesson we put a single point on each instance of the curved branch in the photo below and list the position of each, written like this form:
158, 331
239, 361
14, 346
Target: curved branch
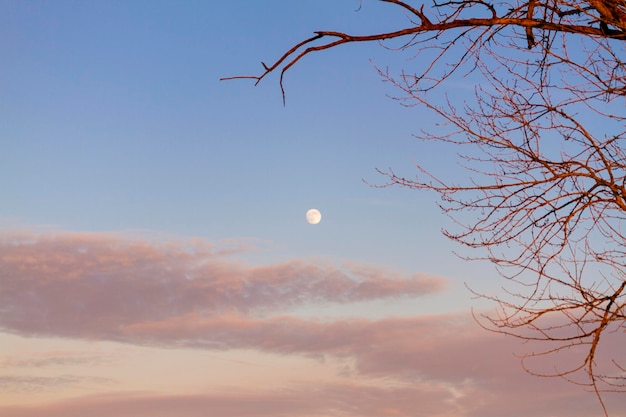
295, 54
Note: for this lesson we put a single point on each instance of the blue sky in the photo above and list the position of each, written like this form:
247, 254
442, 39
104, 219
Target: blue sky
115, 118
126, 165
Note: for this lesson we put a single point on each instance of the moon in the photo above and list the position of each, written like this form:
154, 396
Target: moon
313, 216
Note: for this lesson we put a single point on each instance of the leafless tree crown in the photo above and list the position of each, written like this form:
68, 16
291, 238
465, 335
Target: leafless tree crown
543, 141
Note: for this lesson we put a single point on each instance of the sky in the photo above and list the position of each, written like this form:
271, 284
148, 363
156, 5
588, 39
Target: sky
155, 259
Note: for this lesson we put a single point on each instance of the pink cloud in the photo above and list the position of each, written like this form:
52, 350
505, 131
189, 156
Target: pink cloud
438, 349
90, 285
334, 400
43, 359
323, 400
34, 384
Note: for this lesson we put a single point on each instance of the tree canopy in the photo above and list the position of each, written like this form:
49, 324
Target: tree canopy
543, 142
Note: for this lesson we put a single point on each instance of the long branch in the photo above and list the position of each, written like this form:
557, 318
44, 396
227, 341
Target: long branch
292, 56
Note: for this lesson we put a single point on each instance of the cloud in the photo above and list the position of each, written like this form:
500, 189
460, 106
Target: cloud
34, 384
58, 359
479, 370
93, 285
335, 399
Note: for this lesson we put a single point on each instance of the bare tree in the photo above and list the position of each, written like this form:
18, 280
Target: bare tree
543, 140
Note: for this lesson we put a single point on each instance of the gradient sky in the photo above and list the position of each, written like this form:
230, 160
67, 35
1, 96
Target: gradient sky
154, 254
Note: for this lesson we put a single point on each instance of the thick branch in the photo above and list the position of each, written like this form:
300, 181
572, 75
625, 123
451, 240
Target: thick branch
295, 54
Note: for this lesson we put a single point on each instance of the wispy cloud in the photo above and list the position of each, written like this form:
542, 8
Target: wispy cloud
93, 286
35, 359
420, 399
34, 384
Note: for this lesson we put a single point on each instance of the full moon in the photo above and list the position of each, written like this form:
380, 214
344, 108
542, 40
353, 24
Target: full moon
313, 216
